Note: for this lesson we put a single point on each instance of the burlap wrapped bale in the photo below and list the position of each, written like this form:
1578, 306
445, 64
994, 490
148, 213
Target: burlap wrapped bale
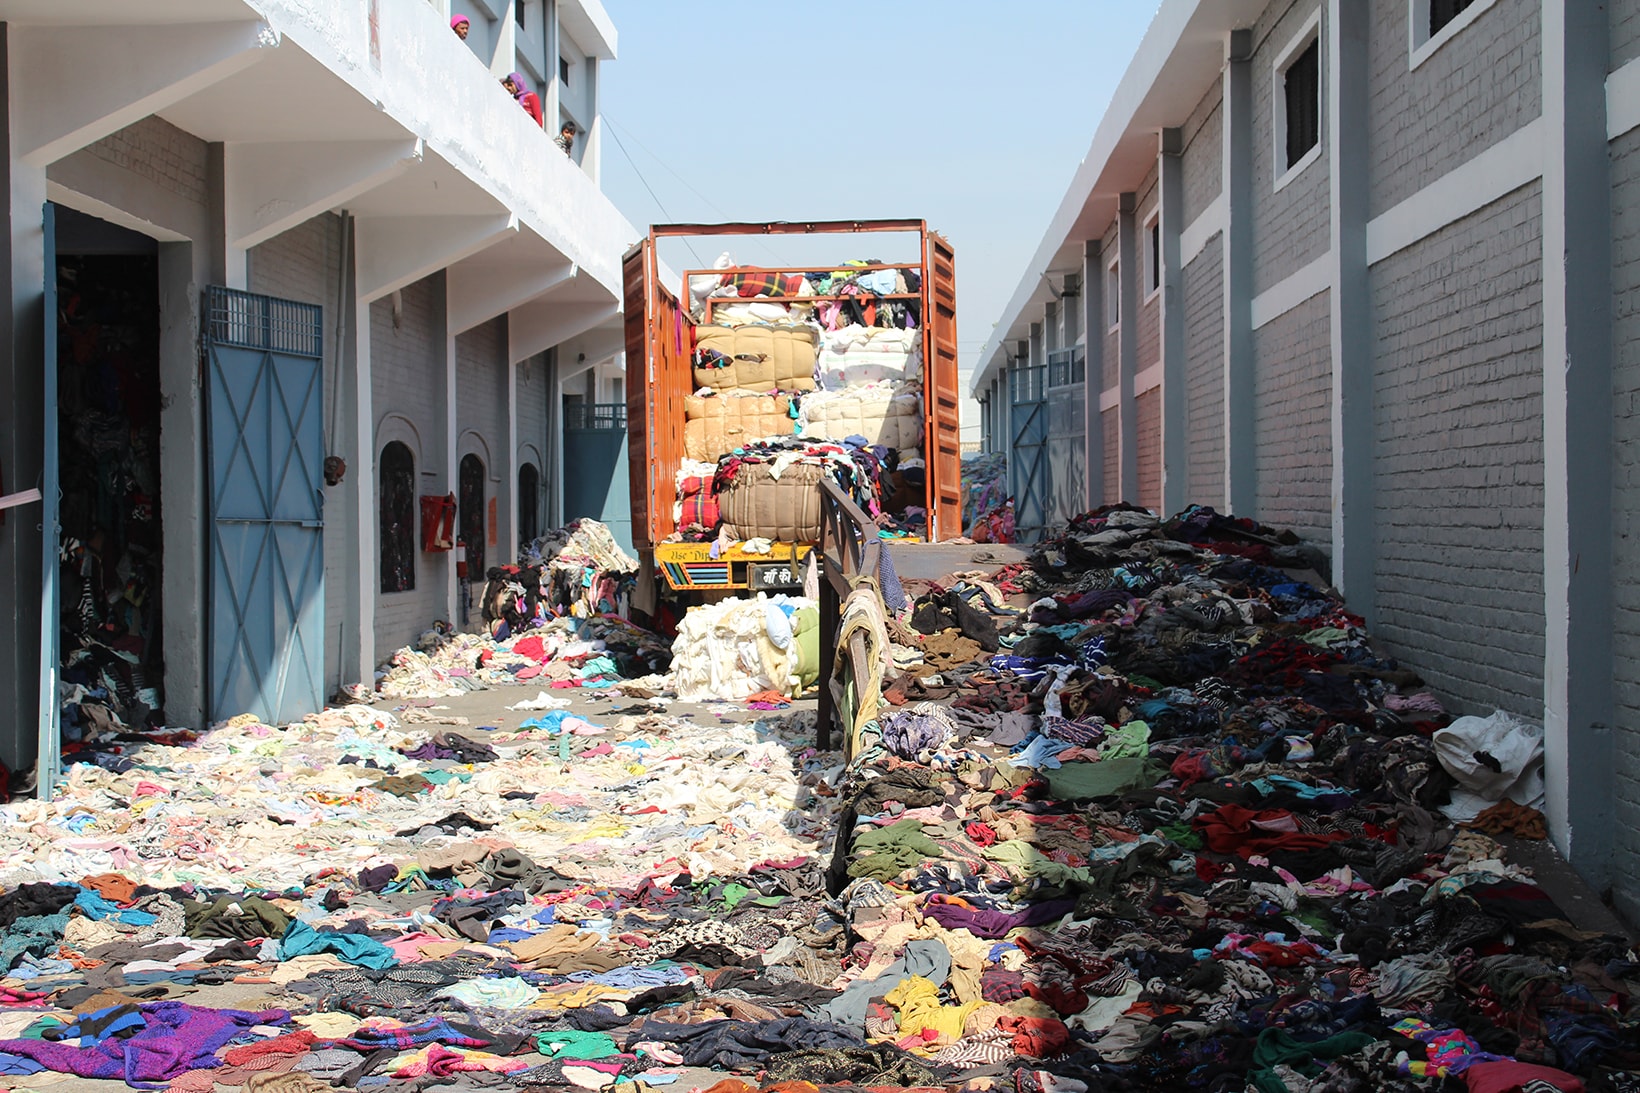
720, 424
763, 357
756, 505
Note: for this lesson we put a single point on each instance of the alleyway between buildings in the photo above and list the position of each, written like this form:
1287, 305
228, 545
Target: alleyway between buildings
1145, 813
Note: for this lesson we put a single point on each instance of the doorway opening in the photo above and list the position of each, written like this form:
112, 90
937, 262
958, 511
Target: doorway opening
108, 417
470, 515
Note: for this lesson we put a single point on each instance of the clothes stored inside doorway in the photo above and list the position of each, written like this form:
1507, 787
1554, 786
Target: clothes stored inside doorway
108, 412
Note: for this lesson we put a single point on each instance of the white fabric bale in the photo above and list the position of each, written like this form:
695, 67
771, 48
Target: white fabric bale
883, 413
1491, 758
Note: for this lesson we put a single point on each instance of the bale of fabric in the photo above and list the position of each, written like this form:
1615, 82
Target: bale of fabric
697, 504
866, 354
720, 424
756, 358
756, 505
883, 413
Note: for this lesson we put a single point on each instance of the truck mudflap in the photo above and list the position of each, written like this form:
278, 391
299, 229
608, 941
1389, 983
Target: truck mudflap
692, 567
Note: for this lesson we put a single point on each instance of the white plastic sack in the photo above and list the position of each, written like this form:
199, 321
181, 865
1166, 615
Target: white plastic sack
1491, 758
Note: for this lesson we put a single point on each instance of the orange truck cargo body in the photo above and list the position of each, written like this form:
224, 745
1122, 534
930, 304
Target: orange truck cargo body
659, 375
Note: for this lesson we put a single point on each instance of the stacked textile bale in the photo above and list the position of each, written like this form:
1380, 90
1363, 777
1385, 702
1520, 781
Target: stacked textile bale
717, 424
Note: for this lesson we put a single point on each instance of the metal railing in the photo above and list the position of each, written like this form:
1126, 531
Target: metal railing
595, 415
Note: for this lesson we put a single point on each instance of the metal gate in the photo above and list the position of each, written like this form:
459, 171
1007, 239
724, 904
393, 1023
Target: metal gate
265, 449
1028, 463
595, 445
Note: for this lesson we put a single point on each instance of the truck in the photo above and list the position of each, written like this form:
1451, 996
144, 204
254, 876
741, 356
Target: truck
662, 332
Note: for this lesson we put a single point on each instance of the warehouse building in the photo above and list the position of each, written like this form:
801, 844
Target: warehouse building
1368, 271
299, 295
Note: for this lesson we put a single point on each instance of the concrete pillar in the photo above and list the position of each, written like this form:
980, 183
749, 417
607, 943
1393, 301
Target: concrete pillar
359, 488
227, 265
1239, 442
22, 412
184, 504
509, 521
1577, 439
550, 102
1093, 321
1127, 348
1050, 328
451, 440
1354, 567
1175, 383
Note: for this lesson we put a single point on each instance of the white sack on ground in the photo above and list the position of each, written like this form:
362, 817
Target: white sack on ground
1491, 758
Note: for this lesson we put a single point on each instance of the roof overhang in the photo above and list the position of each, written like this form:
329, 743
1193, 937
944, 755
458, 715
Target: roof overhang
1178, 60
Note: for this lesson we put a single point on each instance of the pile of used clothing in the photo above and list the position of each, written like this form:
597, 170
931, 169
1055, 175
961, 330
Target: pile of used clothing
987, 510
1147, 812
736, 648
577, 570
1151, 813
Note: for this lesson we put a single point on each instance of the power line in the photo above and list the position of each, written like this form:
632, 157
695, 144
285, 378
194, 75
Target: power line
635, 170
688, 185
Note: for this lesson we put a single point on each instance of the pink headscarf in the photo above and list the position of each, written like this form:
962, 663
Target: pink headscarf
457, 20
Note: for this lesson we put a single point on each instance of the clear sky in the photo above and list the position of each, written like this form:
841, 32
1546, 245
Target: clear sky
970, 115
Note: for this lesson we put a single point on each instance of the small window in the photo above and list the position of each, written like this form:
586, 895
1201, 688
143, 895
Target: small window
1296, 128
518, 13
563, 71
398, 518
1153, 253
471, 515
1433, 23
529, 488
1442, 12
1303, 94
1113, 296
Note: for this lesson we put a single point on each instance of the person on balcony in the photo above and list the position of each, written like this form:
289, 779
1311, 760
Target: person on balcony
461, 25
566, 138
520, 90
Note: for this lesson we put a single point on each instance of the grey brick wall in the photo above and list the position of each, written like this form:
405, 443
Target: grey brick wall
1292, 420
481, 406
156, 150
1625, 153
1203, 292
407, 378
533, 421
304, 264
1148, 408
1113, 470
1426, 121
1290, 226
1203, 153
1458, 421
1625, 31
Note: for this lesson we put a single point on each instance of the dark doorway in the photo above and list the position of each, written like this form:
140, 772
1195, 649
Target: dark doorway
529, 489
398, 518
108, 417
472, 515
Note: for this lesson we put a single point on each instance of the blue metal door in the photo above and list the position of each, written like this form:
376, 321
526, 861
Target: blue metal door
595, 445
1028, 463
265, 445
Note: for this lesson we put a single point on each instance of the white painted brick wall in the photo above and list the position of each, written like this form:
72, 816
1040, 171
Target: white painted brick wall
407, 378
1625, 31
1472, 92
159, 152
1203, 292
303, 264
1292, 385
1625, 161
1148, 411
1459, 455
481, 406
1203, 153
1290, 226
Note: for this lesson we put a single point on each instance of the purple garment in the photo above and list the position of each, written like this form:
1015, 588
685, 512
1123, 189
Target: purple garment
519, 82
457, 20
995, 924
178, 1038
